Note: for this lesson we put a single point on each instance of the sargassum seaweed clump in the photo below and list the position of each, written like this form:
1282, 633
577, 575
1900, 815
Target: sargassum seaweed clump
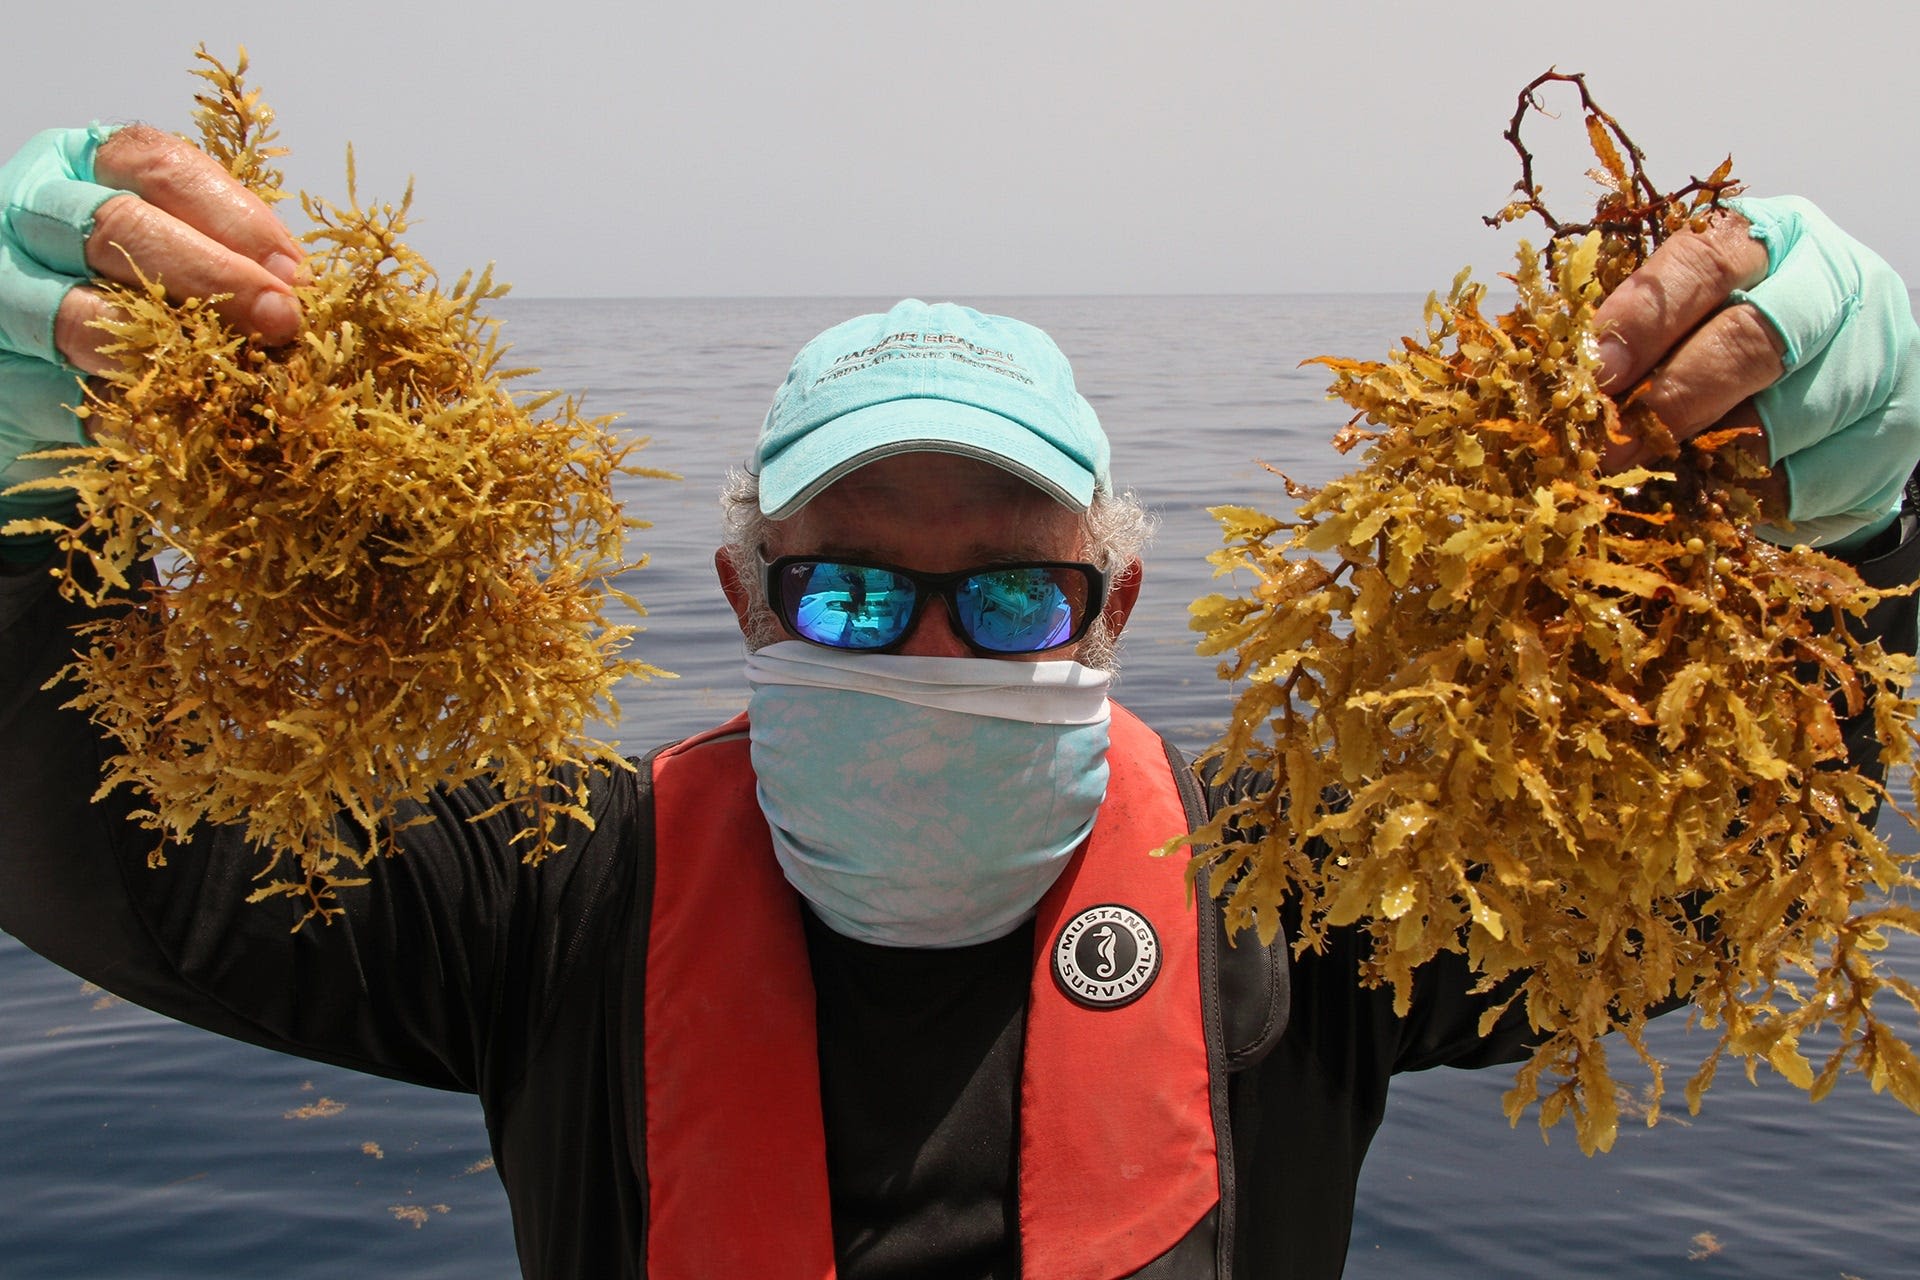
1585, 727
358, 567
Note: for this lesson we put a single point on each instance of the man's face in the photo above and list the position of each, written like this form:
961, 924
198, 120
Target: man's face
937, 513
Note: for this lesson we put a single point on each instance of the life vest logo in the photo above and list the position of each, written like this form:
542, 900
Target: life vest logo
1106, 956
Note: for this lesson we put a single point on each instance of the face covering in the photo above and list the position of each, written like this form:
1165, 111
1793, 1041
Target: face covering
925, 802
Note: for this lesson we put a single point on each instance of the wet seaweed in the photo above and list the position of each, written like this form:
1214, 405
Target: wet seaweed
1586, 728
359, 566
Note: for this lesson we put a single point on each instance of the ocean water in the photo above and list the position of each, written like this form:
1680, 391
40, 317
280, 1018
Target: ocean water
139, 1148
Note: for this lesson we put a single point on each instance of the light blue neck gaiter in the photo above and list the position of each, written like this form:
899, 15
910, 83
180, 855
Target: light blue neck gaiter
925, 802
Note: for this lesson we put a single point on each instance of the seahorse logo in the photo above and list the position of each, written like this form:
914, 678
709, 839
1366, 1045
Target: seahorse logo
1106, 956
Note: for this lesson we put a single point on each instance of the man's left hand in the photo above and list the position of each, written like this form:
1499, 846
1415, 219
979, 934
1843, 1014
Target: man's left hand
1775, 317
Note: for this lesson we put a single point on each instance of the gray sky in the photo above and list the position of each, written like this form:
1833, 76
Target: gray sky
998, 147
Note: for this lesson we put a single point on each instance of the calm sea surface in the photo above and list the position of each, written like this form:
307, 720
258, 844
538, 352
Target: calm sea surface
139, 1148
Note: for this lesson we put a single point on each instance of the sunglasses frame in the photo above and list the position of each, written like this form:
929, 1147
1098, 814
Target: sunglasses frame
928, 586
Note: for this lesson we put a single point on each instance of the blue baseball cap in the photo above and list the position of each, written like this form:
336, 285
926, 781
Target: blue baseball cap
936, 378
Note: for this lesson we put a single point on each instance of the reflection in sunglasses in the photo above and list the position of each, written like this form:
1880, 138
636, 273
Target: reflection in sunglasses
1001, 609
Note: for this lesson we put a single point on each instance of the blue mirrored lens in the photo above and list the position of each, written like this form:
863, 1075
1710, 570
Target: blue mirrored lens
848, 606
1020, 610
1009, 609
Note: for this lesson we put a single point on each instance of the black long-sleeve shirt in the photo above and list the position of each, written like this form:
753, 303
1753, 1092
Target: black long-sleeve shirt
458, 967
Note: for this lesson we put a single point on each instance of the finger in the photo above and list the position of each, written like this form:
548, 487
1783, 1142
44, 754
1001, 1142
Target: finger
132, 239
195, 229
1724, 362
77, 334
185, 182
1682, 283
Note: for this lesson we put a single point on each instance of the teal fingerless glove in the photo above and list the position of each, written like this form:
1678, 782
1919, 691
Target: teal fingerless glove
1843, 420
47, 204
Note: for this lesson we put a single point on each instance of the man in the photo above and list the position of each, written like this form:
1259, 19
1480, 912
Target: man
873, 978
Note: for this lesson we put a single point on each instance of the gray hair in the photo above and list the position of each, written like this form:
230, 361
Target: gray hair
1116, 528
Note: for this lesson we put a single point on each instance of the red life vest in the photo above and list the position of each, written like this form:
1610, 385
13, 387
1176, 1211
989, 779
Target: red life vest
1119, 1158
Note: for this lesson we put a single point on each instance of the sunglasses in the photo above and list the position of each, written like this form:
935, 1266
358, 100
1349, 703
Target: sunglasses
995, 609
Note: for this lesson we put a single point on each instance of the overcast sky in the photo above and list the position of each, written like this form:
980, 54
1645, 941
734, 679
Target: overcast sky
995, 147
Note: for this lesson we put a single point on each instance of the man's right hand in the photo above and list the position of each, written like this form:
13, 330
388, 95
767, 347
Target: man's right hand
79, 205
174, 213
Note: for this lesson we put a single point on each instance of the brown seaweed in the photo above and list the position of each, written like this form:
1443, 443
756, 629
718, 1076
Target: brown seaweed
361, 567
1583, 727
